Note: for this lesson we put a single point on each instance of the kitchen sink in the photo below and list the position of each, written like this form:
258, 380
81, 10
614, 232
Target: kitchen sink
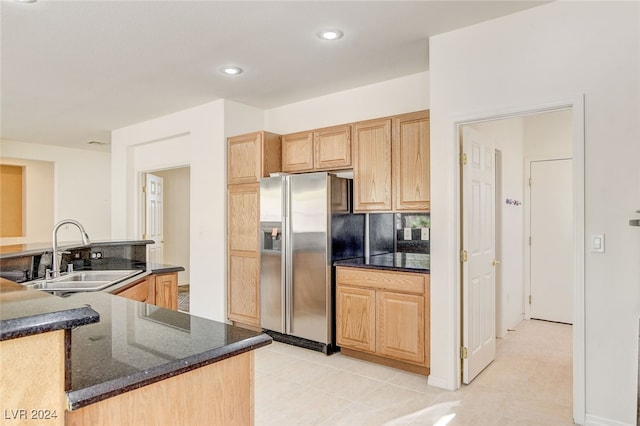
83, 280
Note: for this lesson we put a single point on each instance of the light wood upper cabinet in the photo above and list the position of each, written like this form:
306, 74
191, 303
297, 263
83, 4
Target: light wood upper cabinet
297, 152
316, 150
252, 156
411, 161
372, 165
332, 148
243, 285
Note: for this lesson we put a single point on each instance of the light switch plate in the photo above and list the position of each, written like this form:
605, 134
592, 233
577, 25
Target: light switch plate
597, 243
424, 234
407, 234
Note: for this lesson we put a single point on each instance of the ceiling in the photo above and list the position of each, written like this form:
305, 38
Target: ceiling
71, 71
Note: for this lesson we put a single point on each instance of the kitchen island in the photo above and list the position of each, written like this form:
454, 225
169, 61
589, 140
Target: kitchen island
125, 362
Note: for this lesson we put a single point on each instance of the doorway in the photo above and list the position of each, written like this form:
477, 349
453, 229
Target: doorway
175, 221
514, 138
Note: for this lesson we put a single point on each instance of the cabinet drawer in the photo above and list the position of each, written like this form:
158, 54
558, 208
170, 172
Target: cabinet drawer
383, 280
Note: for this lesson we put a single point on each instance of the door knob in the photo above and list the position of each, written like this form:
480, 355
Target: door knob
495, 262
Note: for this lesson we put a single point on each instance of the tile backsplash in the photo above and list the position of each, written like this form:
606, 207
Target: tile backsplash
399, 232
413, 232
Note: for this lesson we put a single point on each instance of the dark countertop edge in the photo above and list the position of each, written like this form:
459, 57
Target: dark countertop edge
42, 323
164, 269
46, 248
386, 268
83, 397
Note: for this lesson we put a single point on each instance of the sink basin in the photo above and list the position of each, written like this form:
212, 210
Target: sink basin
84, 280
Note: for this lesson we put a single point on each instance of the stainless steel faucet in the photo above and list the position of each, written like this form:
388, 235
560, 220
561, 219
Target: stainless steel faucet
56, 259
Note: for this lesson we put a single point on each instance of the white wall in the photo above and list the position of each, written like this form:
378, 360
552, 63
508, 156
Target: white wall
397, 96
548, 135
547, 55
195, 137
80, 188
176, 213
506, 135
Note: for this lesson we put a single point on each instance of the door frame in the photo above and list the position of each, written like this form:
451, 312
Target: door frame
527, 222
576, 105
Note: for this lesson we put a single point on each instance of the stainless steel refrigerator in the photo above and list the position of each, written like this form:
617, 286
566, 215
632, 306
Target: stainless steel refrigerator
305, 225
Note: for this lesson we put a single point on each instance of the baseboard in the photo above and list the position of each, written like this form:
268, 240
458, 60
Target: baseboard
439, 382
591, 420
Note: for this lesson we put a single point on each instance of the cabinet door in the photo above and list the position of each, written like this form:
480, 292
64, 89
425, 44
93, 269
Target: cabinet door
244, 158
332, 148
355, 318
401, 326
297, 152
142, 291
372, 165
166, 290
242, 215
411, 161
243, 298
243, 255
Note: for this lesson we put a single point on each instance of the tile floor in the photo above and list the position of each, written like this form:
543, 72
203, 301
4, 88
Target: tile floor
529, 383
183, 298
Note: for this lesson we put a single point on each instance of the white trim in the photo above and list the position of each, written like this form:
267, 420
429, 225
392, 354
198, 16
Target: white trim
591, 420
576, 104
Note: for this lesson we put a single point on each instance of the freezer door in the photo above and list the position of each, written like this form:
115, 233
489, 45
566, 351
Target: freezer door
272, 249
310, 272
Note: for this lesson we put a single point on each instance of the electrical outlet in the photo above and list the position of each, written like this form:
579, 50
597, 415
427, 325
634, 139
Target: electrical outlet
407, 234
96, 255
425, 234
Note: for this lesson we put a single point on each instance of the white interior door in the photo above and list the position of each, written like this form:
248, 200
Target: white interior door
478, 241
551, 230
153, 218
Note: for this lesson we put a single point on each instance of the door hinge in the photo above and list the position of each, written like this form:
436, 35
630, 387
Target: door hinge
144, 189
463, 159
529, 181
529, 299
463, 256
144, 236
529, 239
464, 353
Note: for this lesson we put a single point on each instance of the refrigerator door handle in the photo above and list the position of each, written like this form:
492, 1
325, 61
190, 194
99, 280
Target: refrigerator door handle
287, 267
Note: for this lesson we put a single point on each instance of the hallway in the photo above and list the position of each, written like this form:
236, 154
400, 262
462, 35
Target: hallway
529, 383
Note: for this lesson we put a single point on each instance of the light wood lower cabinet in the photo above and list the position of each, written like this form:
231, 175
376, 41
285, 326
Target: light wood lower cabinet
221, 393
156, 289
383, 316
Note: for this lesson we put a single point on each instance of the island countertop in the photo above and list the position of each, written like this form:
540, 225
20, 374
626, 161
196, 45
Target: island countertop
25, 312
136, 344
407, 262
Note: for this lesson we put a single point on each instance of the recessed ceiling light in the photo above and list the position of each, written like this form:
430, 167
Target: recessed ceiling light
26, 1
97, 143
231, 70
330, 34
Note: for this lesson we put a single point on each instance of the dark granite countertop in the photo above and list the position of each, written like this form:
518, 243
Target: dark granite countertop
136, 344
407, 262
24, 312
